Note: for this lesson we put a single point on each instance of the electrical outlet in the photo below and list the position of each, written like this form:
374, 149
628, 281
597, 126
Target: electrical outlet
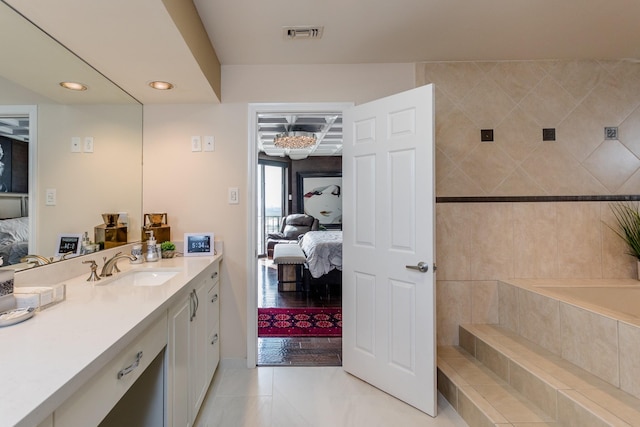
196, 143
209, 143
75, 144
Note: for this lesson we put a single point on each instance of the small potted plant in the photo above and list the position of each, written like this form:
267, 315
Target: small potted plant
168, 249
628, 218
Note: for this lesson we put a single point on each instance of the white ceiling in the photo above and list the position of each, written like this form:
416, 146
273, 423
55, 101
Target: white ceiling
133, 42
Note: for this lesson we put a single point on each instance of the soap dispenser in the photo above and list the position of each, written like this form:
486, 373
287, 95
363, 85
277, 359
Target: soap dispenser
152, 251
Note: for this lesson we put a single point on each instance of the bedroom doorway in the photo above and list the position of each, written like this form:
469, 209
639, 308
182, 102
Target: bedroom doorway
276, 196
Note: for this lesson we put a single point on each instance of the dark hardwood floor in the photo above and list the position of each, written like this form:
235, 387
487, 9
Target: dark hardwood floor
296, 351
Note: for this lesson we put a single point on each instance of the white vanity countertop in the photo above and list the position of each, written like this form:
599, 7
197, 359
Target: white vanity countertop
45, 359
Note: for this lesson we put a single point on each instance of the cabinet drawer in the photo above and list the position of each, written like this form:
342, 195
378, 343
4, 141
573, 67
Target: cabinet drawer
93, 401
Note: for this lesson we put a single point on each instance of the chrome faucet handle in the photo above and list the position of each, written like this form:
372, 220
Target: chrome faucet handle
94, 267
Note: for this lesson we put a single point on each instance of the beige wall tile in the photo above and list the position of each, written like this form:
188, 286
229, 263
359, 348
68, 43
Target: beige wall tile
629, 132
491, 240
456, 79
484, 302
518, 99
535, 240
476, 411
487, 104
514, 408
612, 164
518, 135
629, 340
534, 389
579, 133
456, 135
448, 389
492, 359
548, 103
616, 263
453, 248
488, 165
590, 341
539, 320
457, 183
577, 77
579, 240
517, 79
575, 410
453, 307
519, 182
508, 306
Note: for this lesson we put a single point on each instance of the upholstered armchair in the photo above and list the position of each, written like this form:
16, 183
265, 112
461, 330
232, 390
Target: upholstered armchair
291, 228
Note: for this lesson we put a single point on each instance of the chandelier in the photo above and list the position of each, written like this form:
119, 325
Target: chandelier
295, 140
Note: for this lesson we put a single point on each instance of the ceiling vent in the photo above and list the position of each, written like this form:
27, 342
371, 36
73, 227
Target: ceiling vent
302, 32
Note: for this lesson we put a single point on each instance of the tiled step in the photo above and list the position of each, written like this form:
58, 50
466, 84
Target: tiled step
561, 390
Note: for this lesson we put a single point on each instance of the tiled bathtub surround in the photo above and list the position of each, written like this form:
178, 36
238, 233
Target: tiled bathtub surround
478, 244
518, 99
596, 339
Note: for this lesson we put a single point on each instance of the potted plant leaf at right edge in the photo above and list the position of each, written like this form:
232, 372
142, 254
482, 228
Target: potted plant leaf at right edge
628, 219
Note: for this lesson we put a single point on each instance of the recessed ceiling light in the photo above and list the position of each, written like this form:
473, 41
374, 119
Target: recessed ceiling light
73, 86
160, 85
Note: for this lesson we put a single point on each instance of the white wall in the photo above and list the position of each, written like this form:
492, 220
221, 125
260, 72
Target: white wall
88, 184
192, 187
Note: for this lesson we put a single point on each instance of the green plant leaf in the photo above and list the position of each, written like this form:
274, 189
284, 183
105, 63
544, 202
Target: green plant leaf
628, 218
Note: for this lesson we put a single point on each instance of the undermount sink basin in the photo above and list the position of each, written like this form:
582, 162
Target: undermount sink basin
145, 278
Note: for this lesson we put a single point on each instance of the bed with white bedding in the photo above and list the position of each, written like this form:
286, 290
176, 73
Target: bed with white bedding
323, 250
14, 227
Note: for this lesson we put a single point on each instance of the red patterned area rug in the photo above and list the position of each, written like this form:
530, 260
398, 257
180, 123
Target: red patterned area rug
300, 322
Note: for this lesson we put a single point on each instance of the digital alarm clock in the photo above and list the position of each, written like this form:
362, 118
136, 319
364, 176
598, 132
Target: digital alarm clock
198, 244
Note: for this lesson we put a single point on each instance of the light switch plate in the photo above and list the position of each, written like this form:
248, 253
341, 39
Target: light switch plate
50, 197
234, 196
88, 144
196, 143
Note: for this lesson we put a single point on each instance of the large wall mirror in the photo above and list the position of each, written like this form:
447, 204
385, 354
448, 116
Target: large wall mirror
68, 188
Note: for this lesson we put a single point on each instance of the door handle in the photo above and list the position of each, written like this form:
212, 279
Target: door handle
422, 267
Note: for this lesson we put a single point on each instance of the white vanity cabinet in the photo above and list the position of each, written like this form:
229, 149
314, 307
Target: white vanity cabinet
192, 358
93, 401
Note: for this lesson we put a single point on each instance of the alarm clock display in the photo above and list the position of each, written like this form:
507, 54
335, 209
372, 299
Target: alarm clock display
68, 244
198, 244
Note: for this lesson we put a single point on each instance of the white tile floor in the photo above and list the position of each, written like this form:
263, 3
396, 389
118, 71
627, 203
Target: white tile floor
308, 397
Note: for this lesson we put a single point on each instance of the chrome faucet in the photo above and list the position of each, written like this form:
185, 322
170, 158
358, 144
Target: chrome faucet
110, 265
35, 259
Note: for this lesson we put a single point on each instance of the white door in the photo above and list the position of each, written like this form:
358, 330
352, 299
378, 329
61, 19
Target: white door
388, 222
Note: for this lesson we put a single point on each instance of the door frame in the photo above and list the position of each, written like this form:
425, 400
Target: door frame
252, 251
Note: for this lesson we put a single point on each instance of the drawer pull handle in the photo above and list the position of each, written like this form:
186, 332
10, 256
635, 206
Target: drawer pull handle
214, 275
215, 298
215, 339
131, 367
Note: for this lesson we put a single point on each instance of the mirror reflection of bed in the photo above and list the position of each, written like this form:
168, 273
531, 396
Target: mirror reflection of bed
14, 227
